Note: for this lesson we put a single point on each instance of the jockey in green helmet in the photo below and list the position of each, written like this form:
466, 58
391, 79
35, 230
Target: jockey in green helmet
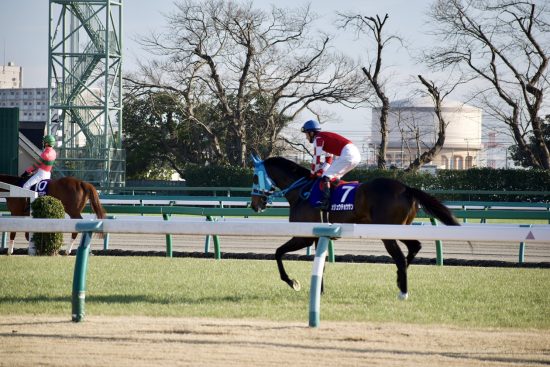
42, 168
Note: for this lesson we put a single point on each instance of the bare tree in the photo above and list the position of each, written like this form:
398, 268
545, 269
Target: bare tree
428, 155
373, 27
502, 46
414, 134
258, 69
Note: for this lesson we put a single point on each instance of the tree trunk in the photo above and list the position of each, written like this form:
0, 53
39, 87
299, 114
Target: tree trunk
429, 155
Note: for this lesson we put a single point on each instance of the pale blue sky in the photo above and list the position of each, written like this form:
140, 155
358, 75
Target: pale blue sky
24, 27
24, 37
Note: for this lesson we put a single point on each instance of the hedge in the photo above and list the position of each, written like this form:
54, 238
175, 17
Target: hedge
48, 207
475, 179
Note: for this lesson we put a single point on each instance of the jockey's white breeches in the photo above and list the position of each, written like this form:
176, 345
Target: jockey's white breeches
348, 159
37, 177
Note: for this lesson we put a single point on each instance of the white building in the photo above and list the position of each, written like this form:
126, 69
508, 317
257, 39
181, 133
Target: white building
413, 128
32, 102
33, 110
11, 76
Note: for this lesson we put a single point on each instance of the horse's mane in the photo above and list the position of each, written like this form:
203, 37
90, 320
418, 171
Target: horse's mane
285, 165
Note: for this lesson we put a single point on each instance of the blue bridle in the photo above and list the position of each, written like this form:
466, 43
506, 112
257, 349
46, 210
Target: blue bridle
263, 186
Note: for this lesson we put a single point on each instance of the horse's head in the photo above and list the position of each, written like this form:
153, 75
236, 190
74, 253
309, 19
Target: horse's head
262, 186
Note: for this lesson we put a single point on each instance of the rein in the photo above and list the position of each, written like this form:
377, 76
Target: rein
301, 182
270, 194
264, 187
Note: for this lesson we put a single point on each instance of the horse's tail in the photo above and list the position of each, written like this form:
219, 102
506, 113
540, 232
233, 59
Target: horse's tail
433, 207
90, 190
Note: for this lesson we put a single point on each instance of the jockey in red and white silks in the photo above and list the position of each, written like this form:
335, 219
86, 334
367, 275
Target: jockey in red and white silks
333, 157
44, 165
333, 154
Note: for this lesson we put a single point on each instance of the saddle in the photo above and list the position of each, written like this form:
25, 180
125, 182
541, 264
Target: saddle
342, 196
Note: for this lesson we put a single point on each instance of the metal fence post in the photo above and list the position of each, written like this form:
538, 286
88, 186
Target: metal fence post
81, 268
168, 238
4, 236
438, 247
106, 235
217, 247
331, 257
521, 258
325, 234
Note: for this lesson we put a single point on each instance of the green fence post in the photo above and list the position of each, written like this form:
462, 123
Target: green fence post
217, 249
521, 258
207, 244
3, 245
438, 247
81, 268
207, 239
106, 235
325, 234
484, 220
168, 238
330, 251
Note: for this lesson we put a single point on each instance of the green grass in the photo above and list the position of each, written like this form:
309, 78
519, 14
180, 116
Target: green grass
461, 296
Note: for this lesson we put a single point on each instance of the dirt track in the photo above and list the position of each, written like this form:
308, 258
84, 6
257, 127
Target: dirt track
142, 341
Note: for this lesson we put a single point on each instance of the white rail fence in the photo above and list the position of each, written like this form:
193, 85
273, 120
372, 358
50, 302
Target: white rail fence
325, 232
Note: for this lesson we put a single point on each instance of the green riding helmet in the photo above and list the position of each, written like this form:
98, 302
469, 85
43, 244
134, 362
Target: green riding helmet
49, 139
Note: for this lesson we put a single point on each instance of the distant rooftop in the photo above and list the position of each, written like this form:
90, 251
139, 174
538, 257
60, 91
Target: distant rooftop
427, 102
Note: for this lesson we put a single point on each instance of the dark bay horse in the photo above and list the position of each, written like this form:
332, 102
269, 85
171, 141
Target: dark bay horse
380, 201
72, 192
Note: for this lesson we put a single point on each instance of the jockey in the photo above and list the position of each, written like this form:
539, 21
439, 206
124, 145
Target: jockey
42, 167
340, 156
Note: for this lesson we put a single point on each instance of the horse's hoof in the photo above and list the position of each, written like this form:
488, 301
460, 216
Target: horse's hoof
296, 285
403, 296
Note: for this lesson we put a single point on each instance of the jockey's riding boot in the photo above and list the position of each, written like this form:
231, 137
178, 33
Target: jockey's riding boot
325, 190
27, 207
27, 210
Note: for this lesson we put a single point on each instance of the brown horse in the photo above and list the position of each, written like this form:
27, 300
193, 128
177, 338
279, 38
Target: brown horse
380, 201
72, 192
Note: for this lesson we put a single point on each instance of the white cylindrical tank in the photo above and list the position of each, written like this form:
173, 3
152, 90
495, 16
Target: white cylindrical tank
413, 128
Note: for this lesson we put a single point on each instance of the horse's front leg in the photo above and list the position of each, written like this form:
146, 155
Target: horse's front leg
295, 243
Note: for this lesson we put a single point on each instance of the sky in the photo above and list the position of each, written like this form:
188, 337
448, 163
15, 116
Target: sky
24, 41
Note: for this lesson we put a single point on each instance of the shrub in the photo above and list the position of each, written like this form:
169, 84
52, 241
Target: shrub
497, 181
47, 207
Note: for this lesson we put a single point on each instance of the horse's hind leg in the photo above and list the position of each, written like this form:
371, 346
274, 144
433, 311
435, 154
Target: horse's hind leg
295, 243
414, 247
393, 249
73, 235
71, 244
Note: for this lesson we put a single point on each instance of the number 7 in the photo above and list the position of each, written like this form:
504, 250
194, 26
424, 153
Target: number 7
347, 190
